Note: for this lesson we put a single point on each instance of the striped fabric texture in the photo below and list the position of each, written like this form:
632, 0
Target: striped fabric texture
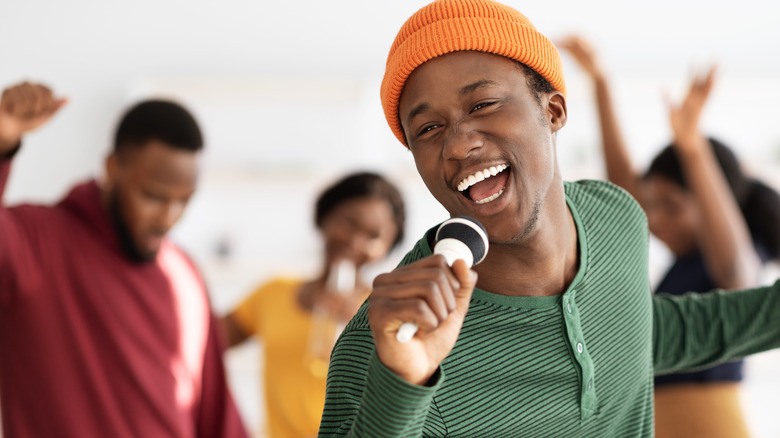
579, 364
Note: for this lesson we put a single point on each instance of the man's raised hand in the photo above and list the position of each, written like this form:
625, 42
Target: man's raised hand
23, 108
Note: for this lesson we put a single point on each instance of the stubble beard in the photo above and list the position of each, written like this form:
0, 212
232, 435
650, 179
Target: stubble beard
530, 224
126, 243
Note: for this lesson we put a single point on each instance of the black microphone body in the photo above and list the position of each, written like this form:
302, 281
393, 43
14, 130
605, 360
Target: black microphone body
461, 237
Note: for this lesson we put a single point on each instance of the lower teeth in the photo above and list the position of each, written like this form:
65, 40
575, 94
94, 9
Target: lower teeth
490, 198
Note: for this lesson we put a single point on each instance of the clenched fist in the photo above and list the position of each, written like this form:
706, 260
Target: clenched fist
23, 108
430, 294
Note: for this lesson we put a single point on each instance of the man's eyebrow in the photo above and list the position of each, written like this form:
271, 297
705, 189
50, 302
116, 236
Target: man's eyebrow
470, 88
419, 109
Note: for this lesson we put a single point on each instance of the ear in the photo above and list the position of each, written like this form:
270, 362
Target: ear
112, 169
556, 110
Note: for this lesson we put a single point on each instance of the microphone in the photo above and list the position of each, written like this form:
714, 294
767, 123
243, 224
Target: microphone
460, 237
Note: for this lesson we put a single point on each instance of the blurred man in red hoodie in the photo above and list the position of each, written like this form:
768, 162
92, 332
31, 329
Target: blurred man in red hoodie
105, 325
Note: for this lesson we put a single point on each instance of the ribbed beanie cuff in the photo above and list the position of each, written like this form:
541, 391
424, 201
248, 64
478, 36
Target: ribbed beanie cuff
446, 26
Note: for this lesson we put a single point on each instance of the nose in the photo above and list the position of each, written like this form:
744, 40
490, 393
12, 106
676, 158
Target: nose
170, 214
359, 246
461, 141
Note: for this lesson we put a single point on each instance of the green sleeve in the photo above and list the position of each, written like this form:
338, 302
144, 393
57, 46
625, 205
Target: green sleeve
365, 399
698, 330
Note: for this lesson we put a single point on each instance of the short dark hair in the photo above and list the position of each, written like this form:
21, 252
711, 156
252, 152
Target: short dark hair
161, 120
760, 204
536, 82
362, 185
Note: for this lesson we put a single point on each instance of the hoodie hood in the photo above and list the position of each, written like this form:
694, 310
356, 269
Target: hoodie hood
85, 203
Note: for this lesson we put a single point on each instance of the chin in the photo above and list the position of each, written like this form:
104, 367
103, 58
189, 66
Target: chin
137, 255
149, 256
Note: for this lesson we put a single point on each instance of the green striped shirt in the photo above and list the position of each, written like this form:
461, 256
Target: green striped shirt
579, 364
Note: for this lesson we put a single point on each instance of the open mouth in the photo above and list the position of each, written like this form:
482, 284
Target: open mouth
485, 185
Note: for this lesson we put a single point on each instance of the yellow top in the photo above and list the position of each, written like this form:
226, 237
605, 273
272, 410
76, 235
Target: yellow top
294, 381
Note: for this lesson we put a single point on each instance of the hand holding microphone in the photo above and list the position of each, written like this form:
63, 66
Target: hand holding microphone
457, 238
431, 298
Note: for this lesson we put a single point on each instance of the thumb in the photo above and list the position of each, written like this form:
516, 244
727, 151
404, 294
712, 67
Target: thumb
56, 106
59, 104
468, 280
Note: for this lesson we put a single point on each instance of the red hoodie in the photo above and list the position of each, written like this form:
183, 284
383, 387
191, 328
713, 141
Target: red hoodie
94, 345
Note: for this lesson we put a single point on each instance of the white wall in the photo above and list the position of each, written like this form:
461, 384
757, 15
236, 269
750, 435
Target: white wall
287, 93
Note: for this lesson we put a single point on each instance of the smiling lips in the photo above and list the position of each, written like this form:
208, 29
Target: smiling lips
485, 185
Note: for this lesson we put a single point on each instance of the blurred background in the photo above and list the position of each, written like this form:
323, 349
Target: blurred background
287, 94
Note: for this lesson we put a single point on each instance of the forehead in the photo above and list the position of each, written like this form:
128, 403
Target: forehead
158, 162
459, 69
369, 212
659, 187
370, 208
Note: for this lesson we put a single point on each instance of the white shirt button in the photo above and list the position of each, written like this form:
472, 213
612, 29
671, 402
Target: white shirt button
579, 347
568, 307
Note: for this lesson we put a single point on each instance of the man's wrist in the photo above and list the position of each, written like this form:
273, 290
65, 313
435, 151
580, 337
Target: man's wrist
691, 147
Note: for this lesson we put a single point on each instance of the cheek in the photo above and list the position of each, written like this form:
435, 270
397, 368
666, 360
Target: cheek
377, 249
426, 167
690, 222
143, 214
430, 171
334, 236
677, 230
538, 169
660, 220
128, 208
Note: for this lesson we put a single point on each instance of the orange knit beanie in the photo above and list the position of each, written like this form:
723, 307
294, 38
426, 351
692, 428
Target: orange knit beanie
446, 26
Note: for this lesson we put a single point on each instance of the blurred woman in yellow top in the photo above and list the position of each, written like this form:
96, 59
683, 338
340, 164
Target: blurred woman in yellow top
361, 219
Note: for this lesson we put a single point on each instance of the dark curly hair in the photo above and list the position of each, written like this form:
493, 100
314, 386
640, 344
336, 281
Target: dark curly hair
760, 204
362, 185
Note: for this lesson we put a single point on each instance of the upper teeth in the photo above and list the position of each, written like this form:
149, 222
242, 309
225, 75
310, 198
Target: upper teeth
480, 176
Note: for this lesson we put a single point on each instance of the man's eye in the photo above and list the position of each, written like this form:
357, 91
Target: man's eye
426, 129
479, 106
154, 197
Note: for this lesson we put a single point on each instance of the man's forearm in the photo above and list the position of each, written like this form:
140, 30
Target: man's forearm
698, 330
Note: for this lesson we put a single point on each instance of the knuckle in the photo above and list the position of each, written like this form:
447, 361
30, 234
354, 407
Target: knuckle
441, 261
377, 310
374, 300
424, 316
430, 287
428, 321
443, 278
381, 279
431, 292
419, 307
